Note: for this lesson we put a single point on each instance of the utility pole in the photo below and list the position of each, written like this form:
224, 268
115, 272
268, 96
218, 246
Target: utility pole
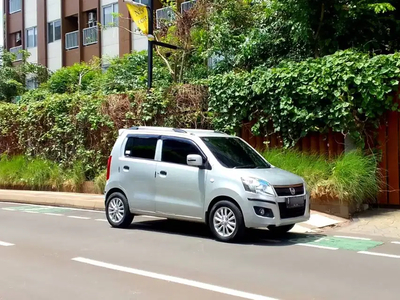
150, 46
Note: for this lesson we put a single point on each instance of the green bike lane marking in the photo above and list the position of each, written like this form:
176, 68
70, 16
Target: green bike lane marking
338, 242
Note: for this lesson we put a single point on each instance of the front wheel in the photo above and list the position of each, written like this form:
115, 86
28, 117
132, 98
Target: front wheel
280, 229
226, 221
117, 211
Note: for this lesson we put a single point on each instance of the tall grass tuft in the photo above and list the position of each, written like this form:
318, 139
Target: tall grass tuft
100, 182
312, 168
352, 177
355, 177
21, 172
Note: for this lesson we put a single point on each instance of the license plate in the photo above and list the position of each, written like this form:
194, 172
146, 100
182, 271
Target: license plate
294, 202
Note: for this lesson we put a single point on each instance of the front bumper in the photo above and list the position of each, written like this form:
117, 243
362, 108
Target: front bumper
281, 214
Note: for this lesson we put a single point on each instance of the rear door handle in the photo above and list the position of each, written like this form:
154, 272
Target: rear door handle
163, 173
126, 168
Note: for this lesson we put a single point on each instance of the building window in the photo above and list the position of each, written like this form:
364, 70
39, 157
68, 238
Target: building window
54, 31
145, 2
31, 37
15, 6
108, 17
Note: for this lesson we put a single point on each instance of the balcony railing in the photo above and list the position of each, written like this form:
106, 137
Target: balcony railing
16, 51
71, 40
187, 5
164, 16
90, 35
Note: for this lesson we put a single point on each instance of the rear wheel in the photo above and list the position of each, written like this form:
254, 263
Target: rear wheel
117, 211
280, 229
226, 221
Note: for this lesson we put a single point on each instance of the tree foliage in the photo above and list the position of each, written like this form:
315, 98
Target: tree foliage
13, 76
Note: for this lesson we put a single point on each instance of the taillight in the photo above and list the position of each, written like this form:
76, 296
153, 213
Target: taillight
108, 167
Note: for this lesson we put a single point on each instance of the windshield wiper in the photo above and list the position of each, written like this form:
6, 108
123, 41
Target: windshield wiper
246, 167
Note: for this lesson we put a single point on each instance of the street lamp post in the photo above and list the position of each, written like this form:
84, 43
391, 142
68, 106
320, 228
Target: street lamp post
150, 46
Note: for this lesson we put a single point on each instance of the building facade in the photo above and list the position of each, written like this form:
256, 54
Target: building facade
60, 33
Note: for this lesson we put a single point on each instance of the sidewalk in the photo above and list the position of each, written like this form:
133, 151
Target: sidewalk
375, 222
74, 200
96, 202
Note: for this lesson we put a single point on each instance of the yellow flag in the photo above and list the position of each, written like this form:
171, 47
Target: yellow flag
139, 15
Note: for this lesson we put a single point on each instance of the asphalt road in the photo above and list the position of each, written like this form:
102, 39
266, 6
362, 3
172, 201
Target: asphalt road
52, 253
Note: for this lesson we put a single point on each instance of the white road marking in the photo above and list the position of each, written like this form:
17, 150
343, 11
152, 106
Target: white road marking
81, 218
49, 206
183, 281
396, 243
5, 244
352, 237
51, 214
316, 246
379, 254
9, 209
30, 211
101, 220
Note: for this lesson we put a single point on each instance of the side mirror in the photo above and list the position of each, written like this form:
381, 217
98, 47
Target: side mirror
194, 160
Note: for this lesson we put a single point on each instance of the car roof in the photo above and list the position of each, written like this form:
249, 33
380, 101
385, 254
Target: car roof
173, 131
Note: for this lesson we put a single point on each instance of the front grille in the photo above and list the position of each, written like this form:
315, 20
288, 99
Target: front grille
287, 213
284, 191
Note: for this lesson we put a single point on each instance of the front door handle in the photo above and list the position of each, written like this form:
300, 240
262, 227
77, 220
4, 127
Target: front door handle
163, 173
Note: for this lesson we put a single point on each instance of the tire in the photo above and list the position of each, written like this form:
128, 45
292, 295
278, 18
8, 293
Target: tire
223, 232
280, 230
117, 201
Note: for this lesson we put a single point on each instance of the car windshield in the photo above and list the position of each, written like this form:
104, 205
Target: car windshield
233, 153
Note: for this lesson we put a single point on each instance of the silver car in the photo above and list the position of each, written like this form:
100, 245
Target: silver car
201, 176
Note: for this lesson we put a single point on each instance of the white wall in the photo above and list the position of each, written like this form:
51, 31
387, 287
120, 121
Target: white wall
105, 2
30, 18
110, 36
1, 23
139, 42
54, 50
110, 43
30, 13
34, 55
53, 10
54, 55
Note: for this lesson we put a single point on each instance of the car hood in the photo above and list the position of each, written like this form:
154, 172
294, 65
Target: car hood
274, 176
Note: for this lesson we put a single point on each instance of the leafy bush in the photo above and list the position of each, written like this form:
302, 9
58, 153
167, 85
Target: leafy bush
352, 177
77, 77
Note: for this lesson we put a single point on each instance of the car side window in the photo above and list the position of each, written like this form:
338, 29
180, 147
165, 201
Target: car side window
176, 151
141, 147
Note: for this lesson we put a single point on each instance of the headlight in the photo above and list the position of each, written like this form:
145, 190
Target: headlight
258, 186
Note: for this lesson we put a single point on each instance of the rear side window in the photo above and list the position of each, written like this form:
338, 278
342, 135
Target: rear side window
176, 151
141, 147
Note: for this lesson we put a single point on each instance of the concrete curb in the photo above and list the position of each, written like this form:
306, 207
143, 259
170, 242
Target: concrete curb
73, 200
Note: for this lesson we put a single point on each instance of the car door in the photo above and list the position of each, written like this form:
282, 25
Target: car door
180, 187
137, 167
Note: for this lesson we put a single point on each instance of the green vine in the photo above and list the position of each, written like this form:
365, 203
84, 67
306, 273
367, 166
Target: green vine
348, 92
